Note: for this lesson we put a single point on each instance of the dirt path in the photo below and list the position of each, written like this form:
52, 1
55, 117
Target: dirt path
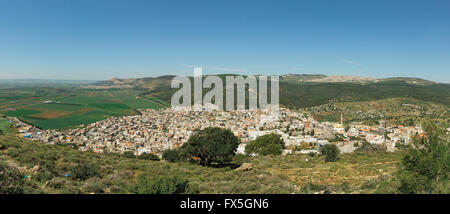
154, 102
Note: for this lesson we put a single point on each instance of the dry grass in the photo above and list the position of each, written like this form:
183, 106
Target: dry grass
271, 174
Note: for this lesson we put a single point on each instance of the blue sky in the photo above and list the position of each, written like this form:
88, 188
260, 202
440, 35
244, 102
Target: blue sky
97, 39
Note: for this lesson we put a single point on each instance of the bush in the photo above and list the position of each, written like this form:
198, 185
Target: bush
42, 177
312, 188
11, 180
270, 144
211, 145
83, 171
93, 185
239, 159
129, 154
149, 184
58, 183
171, 155
426, 166
152, 157
367, 147
331, 152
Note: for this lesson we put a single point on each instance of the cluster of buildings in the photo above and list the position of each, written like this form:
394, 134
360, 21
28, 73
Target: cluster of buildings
154, 131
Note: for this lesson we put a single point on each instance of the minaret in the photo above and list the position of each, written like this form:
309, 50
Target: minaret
342, 119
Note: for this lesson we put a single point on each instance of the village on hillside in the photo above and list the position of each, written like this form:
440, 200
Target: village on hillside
154, 131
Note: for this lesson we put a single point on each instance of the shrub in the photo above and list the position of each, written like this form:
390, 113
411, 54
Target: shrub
129, 154
93, 185
83, 171
171, 155
42, 177
149, 157
239, 159
148, 184
11, 180
425, 167
367, 147
58, 182
331, 152
211, 145
311, 188
270, 144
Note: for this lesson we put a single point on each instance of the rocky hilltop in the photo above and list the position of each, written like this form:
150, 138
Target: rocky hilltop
344, 78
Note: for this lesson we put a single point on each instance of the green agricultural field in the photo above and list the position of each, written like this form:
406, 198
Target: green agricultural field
4, 124
21, 112
69, 121
109, 106
72, 107
20, 97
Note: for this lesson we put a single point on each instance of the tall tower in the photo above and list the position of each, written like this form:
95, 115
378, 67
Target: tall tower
342, 119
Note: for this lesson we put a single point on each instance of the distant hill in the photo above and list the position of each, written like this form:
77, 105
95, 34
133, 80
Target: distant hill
30, 81
404, 110
344, 79
292, 78
300, 77
146, 83
307, 90
409, 80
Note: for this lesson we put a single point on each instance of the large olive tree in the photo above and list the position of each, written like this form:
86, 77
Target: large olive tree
211, 145
269, 144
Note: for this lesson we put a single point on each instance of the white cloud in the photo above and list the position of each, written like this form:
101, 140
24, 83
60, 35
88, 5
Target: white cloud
351, 62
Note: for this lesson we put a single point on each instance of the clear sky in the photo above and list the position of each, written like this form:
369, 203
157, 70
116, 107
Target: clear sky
96, 39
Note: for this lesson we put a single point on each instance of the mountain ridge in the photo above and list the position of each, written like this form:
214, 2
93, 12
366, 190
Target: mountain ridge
283, 78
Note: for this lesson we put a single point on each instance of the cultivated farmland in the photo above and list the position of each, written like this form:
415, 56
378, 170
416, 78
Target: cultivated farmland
61, 108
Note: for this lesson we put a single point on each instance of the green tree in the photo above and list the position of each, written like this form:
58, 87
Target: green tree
331, 152
211, 145
269, 144
426, 166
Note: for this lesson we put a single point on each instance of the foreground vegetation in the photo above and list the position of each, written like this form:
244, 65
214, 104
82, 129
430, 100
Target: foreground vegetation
207, 164
62, 169
426, 166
